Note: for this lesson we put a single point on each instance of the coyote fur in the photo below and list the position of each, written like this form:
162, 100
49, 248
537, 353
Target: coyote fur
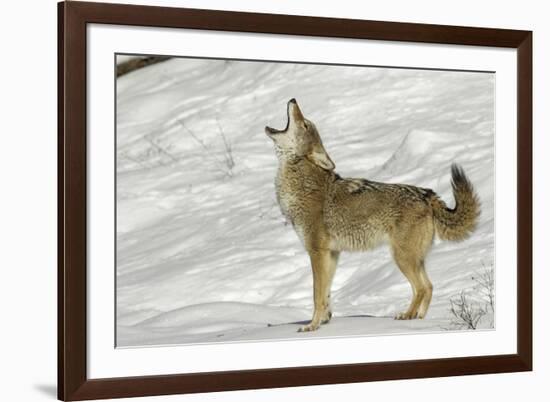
332, 214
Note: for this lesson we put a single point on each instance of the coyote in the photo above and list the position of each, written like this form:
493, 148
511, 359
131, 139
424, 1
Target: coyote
332, 214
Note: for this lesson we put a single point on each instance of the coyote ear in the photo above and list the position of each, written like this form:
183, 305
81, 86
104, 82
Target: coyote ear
320, 157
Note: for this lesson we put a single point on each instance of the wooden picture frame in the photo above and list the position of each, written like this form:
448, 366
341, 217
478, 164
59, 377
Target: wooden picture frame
73, 382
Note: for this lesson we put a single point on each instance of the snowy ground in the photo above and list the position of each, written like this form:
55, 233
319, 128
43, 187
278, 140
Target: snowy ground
203, 253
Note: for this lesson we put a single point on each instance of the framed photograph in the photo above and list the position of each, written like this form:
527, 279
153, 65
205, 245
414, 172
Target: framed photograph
254, 200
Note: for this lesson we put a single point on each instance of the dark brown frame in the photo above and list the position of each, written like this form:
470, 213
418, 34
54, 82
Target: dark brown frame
73, 383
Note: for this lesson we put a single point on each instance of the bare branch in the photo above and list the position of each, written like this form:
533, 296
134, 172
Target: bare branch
228, 150
161, 149
466, 312
468, 309
137, 63
224, 165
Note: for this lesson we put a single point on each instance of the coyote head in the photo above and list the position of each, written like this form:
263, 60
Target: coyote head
299, 139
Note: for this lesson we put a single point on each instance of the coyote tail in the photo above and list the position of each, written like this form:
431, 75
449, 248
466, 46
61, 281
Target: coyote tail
458, 223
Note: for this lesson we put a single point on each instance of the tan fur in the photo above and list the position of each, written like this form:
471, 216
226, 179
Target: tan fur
331, 214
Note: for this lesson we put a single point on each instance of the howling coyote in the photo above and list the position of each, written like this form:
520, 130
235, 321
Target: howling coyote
332, 214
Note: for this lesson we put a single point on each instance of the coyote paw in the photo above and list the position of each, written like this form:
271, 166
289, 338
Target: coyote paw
327, 317
309, 327
406, 316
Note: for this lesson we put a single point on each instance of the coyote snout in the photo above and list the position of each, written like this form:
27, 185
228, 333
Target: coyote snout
299, 139
332, 214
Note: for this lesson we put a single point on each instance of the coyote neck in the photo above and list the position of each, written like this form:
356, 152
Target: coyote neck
301, 190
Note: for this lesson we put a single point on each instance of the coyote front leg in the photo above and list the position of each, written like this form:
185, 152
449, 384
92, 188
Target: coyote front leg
334, 255
322, 267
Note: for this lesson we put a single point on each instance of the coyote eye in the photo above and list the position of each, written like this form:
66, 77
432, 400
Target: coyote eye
306, 126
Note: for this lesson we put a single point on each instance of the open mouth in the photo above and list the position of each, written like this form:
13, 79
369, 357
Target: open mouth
274, 131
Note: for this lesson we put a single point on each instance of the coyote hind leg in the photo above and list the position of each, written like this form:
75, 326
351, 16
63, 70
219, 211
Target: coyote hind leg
408, 267
428, 287
409, 252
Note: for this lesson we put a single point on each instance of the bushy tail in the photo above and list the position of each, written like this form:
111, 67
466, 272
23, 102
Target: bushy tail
458, 223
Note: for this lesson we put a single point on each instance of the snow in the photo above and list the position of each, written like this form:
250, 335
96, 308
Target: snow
203, 253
